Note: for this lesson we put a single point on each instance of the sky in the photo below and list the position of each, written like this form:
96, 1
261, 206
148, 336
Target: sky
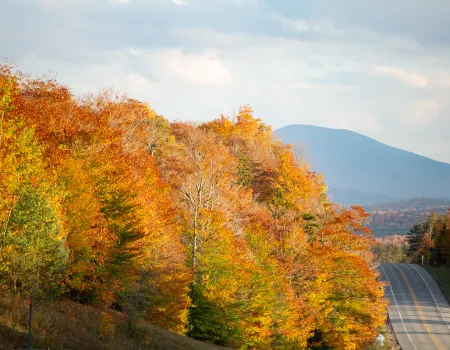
377, 67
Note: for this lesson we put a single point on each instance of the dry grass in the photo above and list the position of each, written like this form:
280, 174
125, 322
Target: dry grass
389, 343
68, 325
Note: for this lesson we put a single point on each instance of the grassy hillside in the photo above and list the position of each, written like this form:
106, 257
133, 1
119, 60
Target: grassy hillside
68, 325
442, 275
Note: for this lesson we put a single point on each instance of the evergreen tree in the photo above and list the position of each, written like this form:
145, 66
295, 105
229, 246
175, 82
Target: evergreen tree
33, 254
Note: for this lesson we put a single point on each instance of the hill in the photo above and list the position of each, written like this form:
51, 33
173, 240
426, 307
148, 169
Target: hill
68, 325
361, 170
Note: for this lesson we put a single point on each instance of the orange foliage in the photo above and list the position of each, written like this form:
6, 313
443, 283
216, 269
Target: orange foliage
155, 214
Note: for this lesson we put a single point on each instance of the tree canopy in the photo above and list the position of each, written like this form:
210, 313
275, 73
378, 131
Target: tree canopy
212, 230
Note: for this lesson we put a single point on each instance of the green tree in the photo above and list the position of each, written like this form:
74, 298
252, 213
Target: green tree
207, 320
33, 255
414, 238
390, 253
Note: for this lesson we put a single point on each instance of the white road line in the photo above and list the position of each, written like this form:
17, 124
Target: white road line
395, 300
440, 311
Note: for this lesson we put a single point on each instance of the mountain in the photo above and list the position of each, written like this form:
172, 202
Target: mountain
361, 170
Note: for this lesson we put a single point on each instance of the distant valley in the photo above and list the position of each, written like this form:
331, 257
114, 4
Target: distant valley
390, 218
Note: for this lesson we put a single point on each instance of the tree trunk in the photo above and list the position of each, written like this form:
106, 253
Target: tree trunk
30, 315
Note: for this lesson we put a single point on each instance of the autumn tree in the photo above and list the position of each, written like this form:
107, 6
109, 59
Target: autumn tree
215, 230
390, 253
32, 245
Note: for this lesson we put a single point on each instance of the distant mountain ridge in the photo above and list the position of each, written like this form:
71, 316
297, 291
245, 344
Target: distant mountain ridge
361, 170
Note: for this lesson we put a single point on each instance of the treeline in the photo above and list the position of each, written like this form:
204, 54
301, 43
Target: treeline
429, 241
208, 230
391, 249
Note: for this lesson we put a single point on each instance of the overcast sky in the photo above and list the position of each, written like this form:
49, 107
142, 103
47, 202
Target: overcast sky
378, 67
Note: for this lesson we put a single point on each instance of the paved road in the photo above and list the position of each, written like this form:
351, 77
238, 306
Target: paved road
419, 313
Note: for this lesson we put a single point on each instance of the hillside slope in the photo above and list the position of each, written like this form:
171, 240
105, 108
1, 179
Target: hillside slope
69, 325
361, 170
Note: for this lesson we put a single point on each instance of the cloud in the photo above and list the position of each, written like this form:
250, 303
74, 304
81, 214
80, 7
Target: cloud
429, 27
134, 53
442, 81
424, 112
295, 61
362, 121
176, 66
298, 85
254, 4
122, 2
408, 78
309, 26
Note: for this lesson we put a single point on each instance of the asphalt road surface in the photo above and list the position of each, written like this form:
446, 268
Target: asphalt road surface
419, 313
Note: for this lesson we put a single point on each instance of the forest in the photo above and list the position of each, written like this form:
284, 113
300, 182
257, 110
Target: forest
213, 230
429, 241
